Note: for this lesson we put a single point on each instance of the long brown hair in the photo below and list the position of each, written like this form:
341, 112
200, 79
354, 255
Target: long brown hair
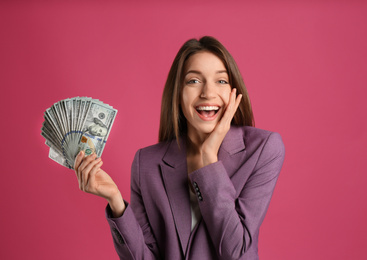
173, 123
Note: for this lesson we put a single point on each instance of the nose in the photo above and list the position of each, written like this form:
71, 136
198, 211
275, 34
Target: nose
207, 91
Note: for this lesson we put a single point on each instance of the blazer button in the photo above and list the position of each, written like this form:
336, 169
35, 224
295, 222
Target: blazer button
199, 196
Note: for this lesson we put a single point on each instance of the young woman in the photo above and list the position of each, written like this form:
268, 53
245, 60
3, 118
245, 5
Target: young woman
202, 192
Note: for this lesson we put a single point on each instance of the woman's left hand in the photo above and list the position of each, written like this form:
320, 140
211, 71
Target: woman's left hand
211, 145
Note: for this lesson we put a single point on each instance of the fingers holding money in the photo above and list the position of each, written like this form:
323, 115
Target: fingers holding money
86, 169
88, 173
94, 180
78, 161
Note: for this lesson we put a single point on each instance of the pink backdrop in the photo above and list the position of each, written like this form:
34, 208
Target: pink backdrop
304, 63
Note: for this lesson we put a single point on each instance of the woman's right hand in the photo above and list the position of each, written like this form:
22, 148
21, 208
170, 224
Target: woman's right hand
92, 179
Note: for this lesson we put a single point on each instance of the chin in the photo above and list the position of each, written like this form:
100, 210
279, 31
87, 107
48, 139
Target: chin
207, 129
201, 128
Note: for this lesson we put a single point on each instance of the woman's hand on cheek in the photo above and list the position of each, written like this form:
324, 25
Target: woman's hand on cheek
211, 145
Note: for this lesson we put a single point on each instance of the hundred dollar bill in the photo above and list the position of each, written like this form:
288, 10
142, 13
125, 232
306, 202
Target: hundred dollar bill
97, 127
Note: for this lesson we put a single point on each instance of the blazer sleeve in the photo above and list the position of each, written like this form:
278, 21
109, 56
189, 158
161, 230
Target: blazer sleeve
131, 232
233, 220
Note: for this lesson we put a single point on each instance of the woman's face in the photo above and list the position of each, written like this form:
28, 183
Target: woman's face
205, 92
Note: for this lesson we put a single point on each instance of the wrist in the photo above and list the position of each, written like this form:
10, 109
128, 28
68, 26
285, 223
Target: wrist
117, 205
209, 159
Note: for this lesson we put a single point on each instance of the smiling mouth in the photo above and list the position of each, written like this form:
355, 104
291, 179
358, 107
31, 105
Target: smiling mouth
207, 111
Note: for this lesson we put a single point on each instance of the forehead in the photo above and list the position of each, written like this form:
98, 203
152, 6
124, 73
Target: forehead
204, 62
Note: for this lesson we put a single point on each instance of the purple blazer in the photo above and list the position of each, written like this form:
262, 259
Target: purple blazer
233, 195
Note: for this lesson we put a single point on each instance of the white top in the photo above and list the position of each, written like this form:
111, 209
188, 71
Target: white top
195, 210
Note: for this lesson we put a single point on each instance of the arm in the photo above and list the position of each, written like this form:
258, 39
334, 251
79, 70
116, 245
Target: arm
128, 238
232, 221
132, 235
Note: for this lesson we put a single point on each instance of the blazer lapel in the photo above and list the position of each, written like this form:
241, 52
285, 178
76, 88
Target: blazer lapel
232, 150
232, 143
174, 173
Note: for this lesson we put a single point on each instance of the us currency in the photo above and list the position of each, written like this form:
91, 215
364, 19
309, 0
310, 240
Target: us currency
76, 124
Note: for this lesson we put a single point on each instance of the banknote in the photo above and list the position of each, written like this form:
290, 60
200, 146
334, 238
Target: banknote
75, 124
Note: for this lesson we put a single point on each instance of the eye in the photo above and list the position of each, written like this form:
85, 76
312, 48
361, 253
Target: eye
193, 81
222, 81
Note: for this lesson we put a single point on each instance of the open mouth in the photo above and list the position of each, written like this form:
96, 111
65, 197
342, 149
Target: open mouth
207, 111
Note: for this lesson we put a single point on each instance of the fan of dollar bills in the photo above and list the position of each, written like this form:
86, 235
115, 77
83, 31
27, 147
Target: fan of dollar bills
76, 124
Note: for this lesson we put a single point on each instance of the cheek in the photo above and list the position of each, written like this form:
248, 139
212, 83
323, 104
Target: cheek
186, 100
185, 107
225, 93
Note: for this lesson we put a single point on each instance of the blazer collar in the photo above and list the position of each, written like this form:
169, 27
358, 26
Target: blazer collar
175, 155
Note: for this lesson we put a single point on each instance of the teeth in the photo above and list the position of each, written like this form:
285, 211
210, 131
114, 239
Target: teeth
207, 108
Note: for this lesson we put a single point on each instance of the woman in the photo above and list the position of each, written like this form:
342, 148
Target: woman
202, 192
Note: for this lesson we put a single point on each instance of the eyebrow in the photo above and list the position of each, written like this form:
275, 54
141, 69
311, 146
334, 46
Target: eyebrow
198, 72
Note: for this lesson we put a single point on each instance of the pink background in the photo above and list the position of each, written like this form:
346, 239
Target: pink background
304, 63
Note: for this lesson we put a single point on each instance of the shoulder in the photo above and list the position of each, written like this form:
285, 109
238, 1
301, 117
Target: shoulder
152, 153
168, 152
256, 133
251, 134
257, 139
267, 145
